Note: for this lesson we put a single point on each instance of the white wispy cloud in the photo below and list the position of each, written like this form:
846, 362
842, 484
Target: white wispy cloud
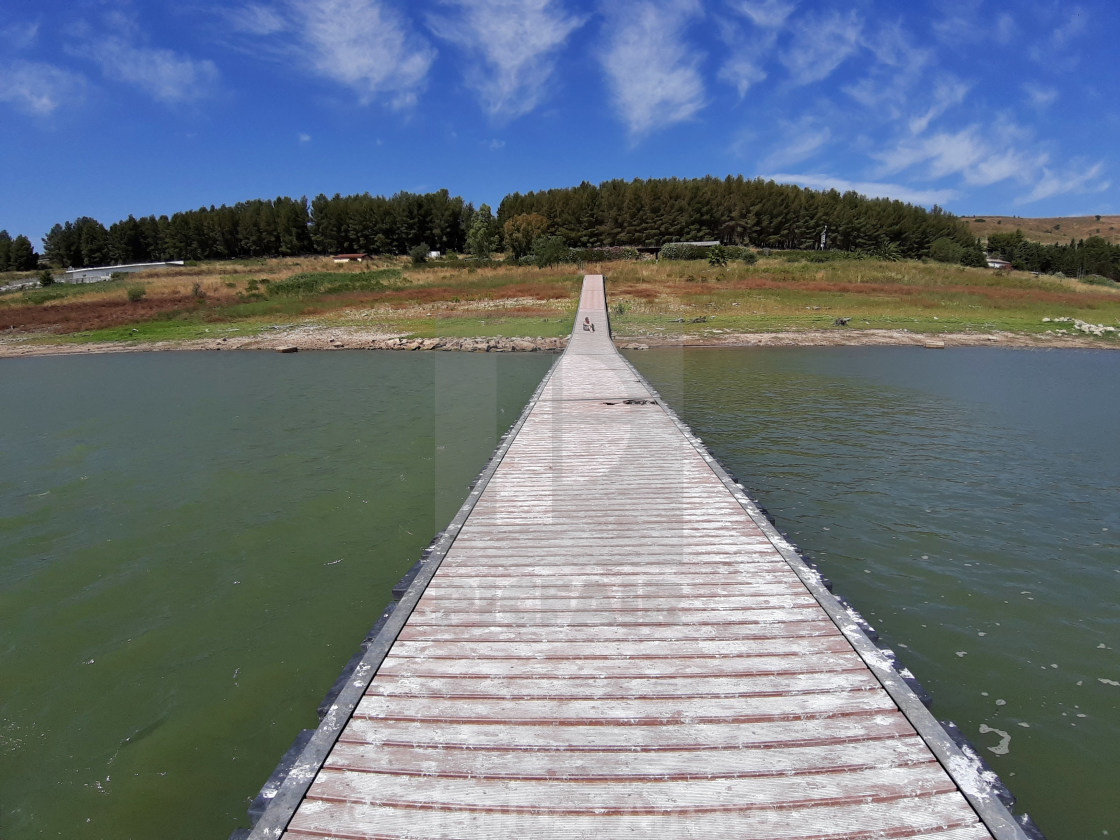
515, 43
121, 49
1040, 96
871, 189
364, 45
1005, 29
1075, 24
800, 141
653, 74
1069, 180
748, 54
948, 92
891, 44
973, 153
770, 14
1065, 25
257, 19
889, 84
743, 72
38, 88
19, 36
821, 45
958, 23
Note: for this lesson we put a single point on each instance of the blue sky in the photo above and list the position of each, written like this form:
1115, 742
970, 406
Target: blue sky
111, 107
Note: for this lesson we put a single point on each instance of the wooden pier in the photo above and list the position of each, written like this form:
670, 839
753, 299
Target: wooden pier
610, 640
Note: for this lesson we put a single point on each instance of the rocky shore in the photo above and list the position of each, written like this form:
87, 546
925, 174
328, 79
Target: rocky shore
322, 338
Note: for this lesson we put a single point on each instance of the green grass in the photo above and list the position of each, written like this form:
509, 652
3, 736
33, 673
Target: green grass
774, 295
57, 291
333, 282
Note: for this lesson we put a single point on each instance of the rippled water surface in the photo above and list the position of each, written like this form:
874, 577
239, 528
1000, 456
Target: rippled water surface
967, 501
192, 546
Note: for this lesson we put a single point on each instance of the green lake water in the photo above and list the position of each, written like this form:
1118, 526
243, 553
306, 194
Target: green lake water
191, 548
193, 545
967, 502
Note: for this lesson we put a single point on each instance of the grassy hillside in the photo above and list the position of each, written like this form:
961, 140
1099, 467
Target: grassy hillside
1049, 231
668, 300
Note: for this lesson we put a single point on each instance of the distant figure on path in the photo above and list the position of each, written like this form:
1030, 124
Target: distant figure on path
587, 325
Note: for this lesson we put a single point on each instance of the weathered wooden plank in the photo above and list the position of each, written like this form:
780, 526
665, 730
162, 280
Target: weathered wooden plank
672, 649
699, 737
652, 666
616, 765
627, 712
445, 616
563, 796
612, 632
937, 818
520, 688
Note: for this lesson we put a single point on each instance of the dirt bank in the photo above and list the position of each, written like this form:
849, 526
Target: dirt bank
314, 337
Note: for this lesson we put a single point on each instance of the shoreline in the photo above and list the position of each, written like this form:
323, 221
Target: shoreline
319, 338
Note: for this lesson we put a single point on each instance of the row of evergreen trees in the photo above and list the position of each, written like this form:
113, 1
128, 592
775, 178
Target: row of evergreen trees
1094, 255
732, 210
17, 254
735, 211
259, 228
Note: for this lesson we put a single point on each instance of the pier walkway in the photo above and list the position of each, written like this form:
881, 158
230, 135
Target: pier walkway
611, 641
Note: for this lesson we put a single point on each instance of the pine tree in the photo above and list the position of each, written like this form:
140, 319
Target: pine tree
21, 256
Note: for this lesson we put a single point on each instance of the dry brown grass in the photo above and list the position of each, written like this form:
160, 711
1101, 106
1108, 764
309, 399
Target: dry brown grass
1048, 231
773, 294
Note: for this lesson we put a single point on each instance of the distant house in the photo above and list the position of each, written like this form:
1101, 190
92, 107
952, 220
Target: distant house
349, 258
998, 264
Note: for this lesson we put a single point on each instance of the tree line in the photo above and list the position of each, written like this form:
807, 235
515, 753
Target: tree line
1094, 255
732, 210
17, 254
263, 228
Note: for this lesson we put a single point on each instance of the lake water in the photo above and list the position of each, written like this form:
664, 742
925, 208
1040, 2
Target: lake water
192, 546
967, 502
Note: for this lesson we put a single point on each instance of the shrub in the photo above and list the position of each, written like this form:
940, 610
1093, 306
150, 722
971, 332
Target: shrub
614, 252
45, 278
549, 250
945, 250
684, 251
326, 282
974, 257
136, 293
741, 253
419, 254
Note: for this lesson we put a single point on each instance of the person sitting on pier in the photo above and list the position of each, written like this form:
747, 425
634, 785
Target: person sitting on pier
587, 325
